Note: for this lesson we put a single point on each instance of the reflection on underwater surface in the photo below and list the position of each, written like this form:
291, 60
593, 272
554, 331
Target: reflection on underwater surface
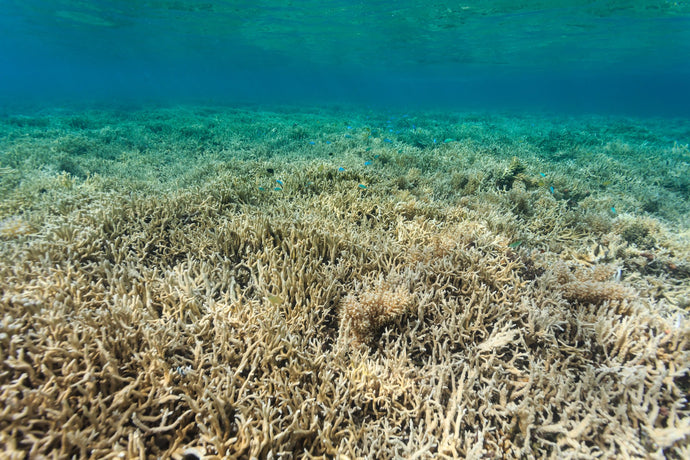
606, 57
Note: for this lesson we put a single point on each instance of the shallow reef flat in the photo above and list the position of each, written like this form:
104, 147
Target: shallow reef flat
255, 282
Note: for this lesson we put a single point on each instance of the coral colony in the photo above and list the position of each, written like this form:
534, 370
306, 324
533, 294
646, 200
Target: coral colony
208, 283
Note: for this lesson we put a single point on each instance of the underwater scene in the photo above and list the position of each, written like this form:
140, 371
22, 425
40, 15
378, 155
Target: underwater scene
344, 230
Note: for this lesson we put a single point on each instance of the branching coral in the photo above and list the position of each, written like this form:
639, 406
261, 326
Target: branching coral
588, 285
11, 227
365, 313
188, 313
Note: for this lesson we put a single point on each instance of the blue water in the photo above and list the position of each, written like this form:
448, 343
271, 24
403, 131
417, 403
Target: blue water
568, 56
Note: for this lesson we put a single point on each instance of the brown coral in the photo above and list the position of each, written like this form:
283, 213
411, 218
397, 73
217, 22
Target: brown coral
177, 310
589, 285
14, 226
372, 309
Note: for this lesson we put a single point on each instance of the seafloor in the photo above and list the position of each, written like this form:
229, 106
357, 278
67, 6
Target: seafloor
202, 282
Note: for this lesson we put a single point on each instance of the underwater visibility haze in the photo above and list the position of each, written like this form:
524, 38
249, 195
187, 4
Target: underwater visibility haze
344, 229
573, 55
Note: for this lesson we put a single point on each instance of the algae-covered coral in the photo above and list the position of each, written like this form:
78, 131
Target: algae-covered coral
169, 300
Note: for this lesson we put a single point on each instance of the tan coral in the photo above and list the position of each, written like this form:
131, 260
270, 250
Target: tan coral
366, 312
12, 227
590, 285
173, 309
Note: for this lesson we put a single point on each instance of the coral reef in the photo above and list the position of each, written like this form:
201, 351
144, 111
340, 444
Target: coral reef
514, 171
14, 226
588, 284
172, 304
364, 314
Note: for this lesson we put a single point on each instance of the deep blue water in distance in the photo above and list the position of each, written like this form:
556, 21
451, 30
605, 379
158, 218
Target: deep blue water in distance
619, 57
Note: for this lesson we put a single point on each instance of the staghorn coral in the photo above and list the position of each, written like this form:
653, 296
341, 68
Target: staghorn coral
139, 322
14, 226
365, 313
588, 285
513, 171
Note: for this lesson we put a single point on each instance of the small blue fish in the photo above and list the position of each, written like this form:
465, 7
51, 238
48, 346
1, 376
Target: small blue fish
362, 186
312, 142
542, 174
350, 127
551, 188
278, 189
434, 140
388, 140
280, 182
613, 209
328, 142
341, 169
262, 189
347, 136
367, 163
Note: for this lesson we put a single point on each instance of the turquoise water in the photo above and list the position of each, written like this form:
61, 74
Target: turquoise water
339, 229
586, 56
